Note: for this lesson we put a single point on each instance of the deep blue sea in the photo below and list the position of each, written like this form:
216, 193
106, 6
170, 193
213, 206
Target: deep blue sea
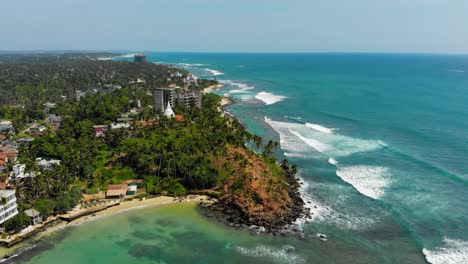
381, 141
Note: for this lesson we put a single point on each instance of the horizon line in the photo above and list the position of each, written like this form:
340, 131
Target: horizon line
30, 51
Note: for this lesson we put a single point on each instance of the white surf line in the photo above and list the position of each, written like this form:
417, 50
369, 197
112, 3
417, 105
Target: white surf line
320, 128
317, 145
368, 180
214, 72
453, 251
269, 98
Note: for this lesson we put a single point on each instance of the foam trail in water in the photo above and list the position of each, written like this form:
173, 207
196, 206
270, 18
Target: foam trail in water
281, 255
332, 161
317, 145
269, 98
368, 180
214, 72
452, 252
320, 128
294, 135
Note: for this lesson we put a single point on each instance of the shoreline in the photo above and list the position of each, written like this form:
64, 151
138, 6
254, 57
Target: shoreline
299, 211
59, 224
212, 88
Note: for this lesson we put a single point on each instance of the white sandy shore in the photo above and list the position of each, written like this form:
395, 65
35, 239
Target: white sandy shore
211, 88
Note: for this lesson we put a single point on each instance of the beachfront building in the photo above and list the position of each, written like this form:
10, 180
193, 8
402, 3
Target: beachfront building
44, 164
189, 98
116, 191
128, 187
8, 206
162, 97
34, 215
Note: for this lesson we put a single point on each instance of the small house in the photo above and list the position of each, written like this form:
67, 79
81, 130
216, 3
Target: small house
34, 215
116, 191
100, 130
44, 164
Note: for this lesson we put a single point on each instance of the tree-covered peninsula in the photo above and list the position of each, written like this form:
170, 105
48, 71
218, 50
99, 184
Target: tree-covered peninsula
201, 150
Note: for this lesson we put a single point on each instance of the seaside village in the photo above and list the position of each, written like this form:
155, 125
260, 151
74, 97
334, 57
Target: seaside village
13, 172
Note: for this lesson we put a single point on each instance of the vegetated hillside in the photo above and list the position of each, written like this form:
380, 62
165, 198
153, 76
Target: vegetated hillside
256, 190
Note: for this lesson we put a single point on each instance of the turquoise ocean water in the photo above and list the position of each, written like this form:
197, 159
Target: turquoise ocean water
381, 141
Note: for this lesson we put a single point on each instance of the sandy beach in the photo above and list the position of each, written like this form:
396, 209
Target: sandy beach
211, 88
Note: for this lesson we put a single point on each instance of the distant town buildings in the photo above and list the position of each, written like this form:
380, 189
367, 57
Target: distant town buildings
6, 126
189, 98
165, 97
100, 130
139, 58
44, 164
119, 126
8, 206
19, 172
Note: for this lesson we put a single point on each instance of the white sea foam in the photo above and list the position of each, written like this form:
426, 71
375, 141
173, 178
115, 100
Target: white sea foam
277, 255
320, 128
288, 141
238, 91
214, 72
317, 210
294, 135
339, 213
317, 145
368, 180
269, 98
332, 161
452, 252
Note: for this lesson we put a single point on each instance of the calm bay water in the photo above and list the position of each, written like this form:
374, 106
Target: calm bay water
381, 143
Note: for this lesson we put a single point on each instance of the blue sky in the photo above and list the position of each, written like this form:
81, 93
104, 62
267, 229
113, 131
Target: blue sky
432, 26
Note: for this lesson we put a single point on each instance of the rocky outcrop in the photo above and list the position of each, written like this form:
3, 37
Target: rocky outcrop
259, 196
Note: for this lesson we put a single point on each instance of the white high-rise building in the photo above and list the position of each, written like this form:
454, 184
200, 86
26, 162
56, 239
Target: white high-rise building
8, 206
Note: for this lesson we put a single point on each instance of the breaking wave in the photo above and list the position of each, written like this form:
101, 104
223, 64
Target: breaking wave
452, 252
317, 145
368, 180
243, 92
214, 72
294, 135
269, 98
320, 128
